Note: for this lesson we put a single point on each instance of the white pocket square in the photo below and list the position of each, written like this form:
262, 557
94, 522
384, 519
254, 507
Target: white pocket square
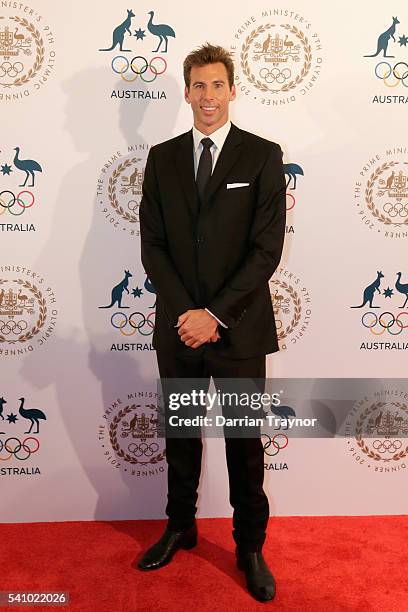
235, 185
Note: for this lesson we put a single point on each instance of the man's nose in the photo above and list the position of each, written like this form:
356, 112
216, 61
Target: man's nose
208, 94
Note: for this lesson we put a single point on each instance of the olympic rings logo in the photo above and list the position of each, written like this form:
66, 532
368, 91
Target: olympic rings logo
387, 446
8, 201
370, 320
384, 70
291, 203
143, 449
278, 442
133, 206
393, 210
137, 321
9, 327
139, 66
21, 450
11, 70
270, 76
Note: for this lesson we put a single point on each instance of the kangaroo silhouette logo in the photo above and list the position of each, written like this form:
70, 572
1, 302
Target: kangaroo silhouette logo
118, 290
369, 292
2, 402
119, 32
384, 39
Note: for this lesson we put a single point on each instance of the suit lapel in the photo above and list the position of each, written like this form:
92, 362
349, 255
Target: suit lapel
227, 158
185, 166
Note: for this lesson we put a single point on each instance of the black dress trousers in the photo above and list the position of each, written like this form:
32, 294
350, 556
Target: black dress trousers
245, 456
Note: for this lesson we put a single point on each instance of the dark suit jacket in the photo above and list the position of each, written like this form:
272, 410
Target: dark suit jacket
221, 255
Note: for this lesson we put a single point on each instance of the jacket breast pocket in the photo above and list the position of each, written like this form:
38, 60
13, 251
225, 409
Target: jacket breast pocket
237, 185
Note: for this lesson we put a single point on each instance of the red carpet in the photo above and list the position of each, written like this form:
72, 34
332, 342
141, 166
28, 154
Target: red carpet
326, 564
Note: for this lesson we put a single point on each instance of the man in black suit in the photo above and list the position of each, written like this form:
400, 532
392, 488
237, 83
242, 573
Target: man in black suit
212, 224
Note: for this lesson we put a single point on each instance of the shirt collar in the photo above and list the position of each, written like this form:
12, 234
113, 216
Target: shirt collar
218, 137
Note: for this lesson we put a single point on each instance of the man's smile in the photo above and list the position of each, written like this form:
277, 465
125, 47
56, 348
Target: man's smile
208, 109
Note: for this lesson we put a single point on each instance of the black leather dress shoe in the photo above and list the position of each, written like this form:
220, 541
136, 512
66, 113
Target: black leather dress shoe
260, 582
163, 551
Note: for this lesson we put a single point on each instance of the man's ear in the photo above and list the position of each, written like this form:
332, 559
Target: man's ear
233, 93
186, 95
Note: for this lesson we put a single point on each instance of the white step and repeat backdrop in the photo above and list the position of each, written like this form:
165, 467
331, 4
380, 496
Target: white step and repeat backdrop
85, 89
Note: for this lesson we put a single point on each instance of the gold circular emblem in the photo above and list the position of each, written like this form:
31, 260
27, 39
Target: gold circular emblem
21, 51
386, 423
386, 193
287, 307
133, 435
23, 311
128, 187
271, 57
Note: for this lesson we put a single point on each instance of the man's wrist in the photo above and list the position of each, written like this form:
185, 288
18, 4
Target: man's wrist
216, 318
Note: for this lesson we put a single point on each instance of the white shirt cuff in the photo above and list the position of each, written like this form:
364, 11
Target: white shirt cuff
216, 318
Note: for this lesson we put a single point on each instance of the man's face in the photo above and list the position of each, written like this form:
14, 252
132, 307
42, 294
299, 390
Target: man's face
209, 95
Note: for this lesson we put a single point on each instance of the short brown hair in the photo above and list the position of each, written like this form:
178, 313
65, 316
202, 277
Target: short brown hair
208, 54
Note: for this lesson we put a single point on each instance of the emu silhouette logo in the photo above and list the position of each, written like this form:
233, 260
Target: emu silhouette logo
34, 415
292, 171
29, 166
162, 31
284, 413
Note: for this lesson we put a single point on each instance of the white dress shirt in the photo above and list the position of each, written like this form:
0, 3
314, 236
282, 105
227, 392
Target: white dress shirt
218, 137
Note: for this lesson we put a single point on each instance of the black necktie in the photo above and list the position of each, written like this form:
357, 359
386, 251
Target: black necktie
204, 168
